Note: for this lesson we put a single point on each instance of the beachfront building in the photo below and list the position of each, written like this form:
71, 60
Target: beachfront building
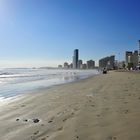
128, 59
107, 62
135, 59
75, 59
71, 66
84, 66
131, 59
66, 65
90, 64
80, 63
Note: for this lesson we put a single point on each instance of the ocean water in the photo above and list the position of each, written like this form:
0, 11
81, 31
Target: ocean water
15, 82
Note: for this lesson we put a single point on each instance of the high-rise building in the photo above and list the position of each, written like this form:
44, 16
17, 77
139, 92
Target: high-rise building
128, 57
131, 59
90, 64
75, 58
80, 62
135, 59
107, 62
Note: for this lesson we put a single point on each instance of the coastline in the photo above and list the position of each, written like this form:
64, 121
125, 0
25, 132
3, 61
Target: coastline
102, 107
11, 99
12, 85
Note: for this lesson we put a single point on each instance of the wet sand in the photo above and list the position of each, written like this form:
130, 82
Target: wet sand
103, 107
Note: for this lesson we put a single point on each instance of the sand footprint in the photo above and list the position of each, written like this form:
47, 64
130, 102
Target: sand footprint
37, 132
60, 128
51, 119
76, 137
126, 111
43, 138
68, 116
111, 138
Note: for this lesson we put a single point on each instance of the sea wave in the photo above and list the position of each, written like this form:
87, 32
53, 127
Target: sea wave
16, 81
6, 73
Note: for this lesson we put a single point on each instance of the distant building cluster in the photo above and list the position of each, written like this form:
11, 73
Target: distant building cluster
132, 61
78, 63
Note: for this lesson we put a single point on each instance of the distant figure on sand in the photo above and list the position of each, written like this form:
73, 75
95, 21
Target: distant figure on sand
104, 71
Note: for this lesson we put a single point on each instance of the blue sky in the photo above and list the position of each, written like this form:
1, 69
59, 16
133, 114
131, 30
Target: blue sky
45, 32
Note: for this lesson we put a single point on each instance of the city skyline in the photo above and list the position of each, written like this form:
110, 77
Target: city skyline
77, 63
45, 33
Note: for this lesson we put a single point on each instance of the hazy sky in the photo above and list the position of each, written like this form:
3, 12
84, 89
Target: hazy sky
45, 32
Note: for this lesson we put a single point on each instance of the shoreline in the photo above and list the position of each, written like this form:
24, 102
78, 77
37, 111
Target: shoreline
102, 107
12, 98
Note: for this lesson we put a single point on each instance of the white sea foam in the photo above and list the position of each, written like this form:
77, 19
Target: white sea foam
13, 82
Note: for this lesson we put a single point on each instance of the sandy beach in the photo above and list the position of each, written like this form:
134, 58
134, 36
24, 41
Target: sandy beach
103, 107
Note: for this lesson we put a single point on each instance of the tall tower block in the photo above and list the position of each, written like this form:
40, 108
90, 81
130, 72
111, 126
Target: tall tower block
75, 58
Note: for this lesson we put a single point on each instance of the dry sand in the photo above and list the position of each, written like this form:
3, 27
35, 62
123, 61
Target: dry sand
104, 107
